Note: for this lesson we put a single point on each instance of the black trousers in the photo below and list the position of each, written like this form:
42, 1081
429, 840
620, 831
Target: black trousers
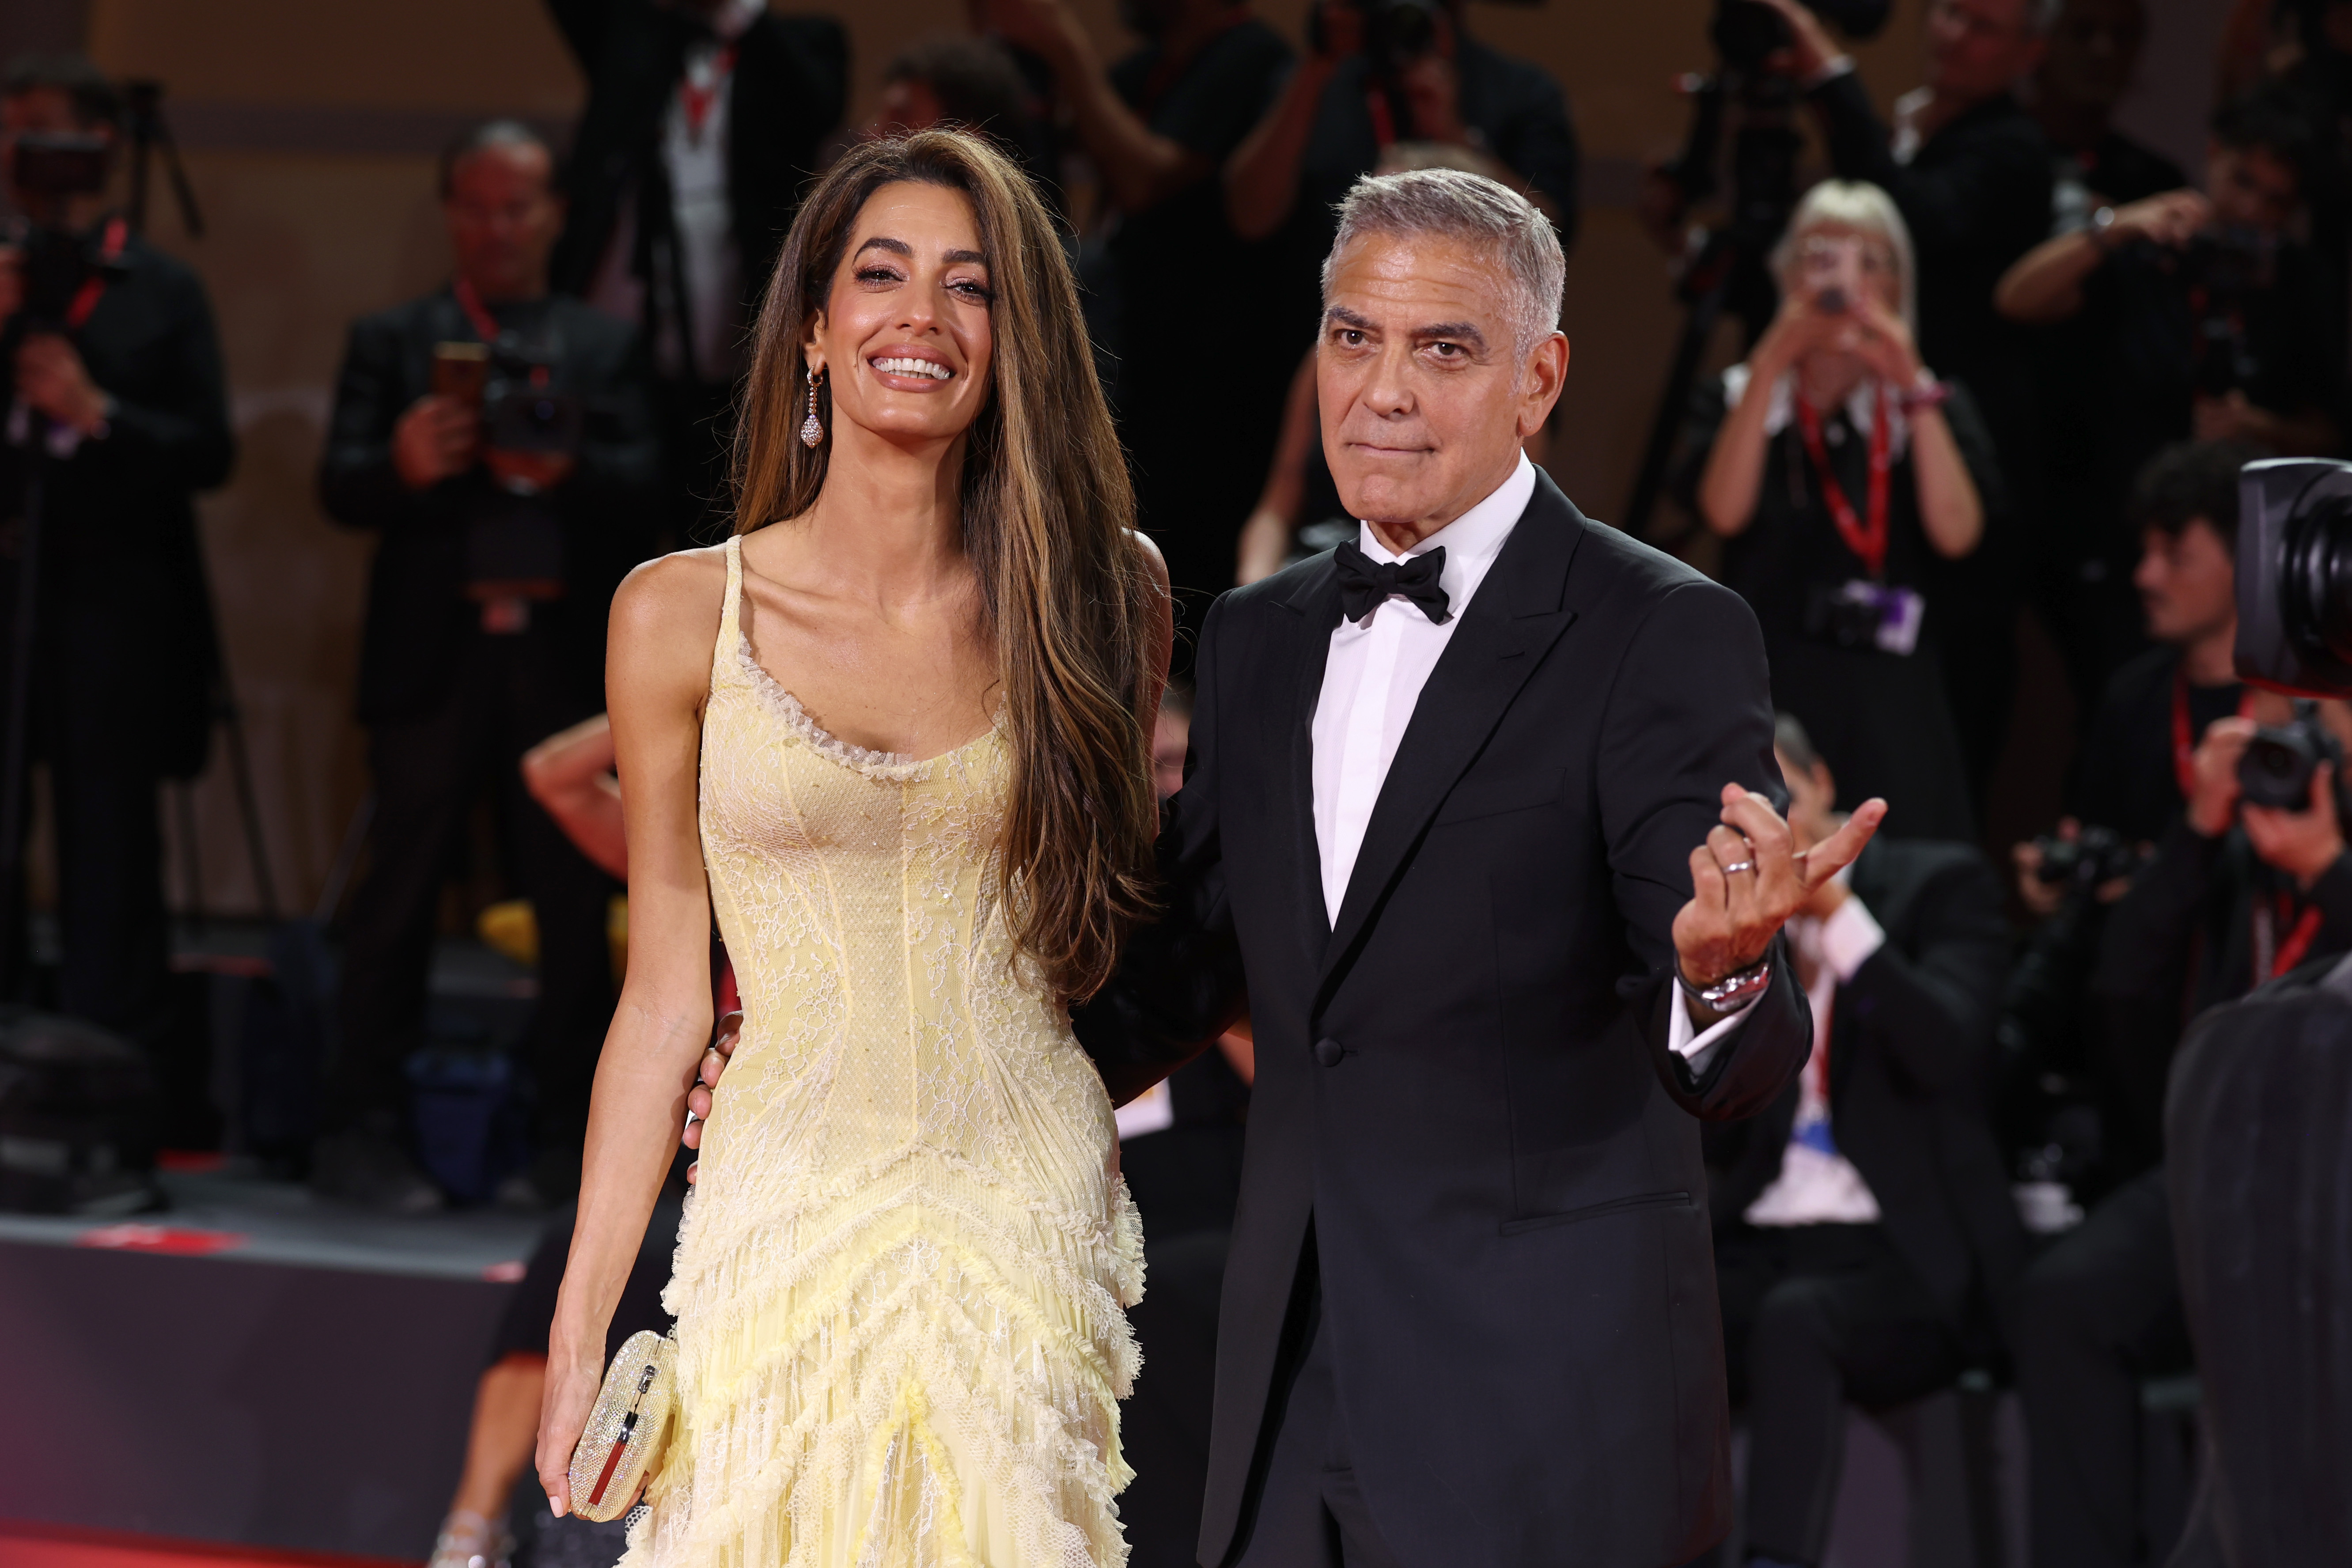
1816, 1318
430, 770
2095, 1313
1308, 1511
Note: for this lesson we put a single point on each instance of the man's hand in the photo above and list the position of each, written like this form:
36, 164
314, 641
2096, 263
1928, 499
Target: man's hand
1747, 878
51, 377
2232, 418
2303, 844
2213, 793
2172, 220
436, 439
706, 1079
1810, 47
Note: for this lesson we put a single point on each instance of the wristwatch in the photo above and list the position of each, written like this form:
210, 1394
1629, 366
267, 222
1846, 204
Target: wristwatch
1734, 990
2103, 223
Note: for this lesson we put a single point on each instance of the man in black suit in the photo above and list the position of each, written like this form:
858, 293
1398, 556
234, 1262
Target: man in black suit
1864, 1226
704, 119
504, 531
1439, 826
116, 398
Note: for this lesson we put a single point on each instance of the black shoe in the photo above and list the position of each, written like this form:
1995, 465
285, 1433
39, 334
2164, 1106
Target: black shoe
370, 1170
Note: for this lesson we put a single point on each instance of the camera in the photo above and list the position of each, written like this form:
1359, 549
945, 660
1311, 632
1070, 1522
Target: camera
2294, 575
2279, 760
1746, 32
2099, 855
1396, 32
2221, 270
58, 162
522, 411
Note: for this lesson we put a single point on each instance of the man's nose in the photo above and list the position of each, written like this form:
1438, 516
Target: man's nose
1388, 392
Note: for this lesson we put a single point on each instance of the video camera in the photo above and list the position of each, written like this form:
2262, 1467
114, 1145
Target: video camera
1744, 32
55, 263
2294, 575
1396, 32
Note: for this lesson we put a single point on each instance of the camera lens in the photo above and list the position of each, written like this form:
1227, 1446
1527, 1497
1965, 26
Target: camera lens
2316, 582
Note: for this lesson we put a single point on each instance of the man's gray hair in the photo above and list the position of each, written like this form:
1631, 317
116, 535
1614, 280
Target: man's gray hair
1467, 207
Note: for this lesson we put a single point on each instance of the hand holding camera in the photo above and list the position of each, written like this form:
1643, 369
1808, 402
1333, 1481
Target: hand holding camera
52, 379
438, 438
2171, 219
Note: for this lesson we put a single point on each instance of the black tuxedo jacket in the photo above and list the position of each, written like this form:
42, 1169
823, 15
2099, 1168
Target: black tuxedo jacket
1464, 1094
791, 76
1911, 1059
413, 651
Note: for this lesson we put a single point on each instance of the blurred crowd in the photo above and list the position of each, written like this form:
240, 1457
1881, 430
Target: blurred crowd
2010, 363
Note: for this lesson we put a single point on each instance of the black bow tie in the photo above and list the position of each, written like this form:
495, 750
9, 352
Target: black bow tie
1363, 586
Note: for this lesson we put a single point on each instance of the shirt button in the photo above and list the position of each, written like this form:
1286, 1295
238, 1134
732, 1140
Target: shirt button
1329, 1051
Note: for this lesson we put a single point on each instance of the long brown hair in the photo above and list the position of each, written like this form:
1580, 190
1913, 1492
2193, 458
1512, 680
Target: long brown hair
1071, 606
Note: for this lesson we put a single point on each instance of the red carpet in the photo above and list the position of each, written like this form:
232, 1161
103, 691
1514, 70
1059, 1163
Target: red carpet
27, 1545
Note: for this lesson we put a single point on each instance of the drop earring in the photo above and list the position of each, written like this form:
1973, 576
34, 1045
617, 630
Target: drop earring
811, 429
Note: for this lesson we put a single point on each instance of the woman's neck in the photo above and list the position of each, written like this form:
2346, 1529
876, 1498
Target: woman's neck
1826, 380
888, 525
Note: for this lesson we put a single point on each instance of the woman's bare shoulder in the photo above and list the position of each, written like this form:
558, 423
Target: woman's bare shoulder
666, 614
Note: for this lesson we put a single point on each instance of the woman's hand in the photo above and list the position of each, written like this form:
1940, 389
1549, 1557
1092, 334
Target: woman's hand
1883, 342
572, 1384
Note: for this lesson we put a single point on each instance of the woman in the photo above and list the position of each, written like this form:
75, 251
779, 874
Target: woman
1835, 464
896, 735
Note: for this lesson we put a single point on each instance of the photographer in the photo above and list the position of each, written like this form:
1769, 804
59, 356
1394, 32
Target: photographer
1971, 173
1838, 467
2238, 893
116, 404
1158, 125
1863, 1228
496, 439
2213, 321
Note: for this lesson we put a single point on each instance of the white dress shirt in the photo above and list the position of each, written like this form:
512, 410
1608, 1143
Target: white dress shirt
1817, 1184
1372, 680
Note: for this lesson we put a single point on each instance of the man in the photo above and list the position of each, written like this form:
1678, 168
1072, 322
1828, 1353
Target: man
703, 119
1863, 1225
504, 529
1971, 173
1440, 818
116, 404
2213, 322
1199, 427
2237, 894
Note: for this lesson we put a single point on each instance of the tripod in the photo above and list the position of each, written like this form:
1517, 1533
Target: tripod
1730, 267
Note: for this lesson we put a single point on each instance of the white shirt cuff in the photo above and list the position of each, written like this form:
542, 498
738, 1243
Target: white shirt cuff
1693, 1045
1848, 939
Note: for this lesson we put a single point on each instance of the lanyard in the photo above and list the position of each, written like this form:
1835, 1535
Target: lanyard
2184, 739
485, 325
86, 297
1868, 543
696, 100
2298, 941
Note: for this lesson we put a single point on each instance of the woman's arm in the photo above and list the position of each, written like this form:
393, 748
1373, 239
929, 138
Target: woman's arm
1735, 464
1266, 537
1951, 511
657, 669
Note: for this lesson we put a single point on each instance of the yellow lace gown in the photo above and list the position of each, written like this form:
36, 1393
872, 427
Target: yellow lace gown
899, 1283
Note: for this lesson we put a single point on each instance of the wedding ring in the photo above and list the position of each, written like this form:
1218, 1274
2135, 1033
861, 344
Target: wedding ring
1738, 866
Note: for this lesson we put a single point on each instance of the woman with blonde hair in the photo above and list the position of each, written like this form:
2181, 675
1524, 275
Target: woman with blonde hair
896, 735
1838, 469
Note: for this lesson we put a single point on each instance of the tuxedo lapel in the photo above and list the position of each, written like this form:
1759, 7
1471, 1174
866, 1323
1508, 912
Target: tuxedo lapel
1316, 602
1510, 626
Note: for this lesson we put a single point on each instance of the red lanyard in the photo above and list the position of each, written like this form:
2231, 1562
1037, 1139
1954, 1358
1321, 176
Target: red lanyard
698, 101
2184, 739
2298, 941
1868, 543
86, 297
485, 325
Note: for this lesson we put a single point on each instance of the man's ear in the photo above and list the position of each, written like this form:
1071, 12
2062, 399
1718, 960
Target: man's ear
1546, 373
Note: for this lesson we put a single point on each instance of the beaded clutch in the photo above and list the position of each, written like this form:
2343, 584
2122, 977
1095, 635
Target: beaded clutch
627, 1428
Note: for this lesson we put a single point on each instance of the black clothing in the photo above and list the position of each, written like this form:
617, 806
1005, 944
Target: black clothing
2125, 776
124, 653
524, 1326
1816, 1318
2097, 1313
1199, 426
451, 707
1975, 197
1187, 1176
419, 618
1497, 1165
790, 85
2116, 170
2255, 1120
1879, 719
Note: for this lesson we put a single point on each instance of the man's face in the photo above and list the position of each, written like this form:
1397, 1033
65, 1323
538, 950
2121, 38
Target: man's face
1424, 402
2187, 582
503, 216
2251, 187
2093, 51
42, 109
1812, 801
1977, 47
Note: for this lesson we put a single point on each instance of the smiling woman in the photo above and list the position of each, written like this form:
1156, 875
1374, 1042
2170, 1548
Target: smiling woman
894, 735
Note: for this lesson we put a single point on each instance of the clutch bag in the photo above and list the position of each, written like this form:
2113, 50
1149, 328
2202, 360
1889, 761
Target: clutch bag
627, 1428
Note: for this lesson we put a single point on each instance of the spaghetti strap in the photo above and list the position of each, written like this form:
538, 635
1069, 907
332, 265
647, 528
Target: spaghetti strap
727, 655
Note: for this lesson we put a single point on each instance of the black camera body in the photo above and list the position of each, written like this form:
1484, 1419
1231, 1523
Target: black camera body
2294, 575
2098, 854
522, 408
2280, 760
1746, 32
59, 162
1396, 32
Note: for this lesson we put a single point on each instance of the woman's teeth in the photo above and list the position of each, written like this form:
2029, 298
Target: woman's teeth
931, 368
